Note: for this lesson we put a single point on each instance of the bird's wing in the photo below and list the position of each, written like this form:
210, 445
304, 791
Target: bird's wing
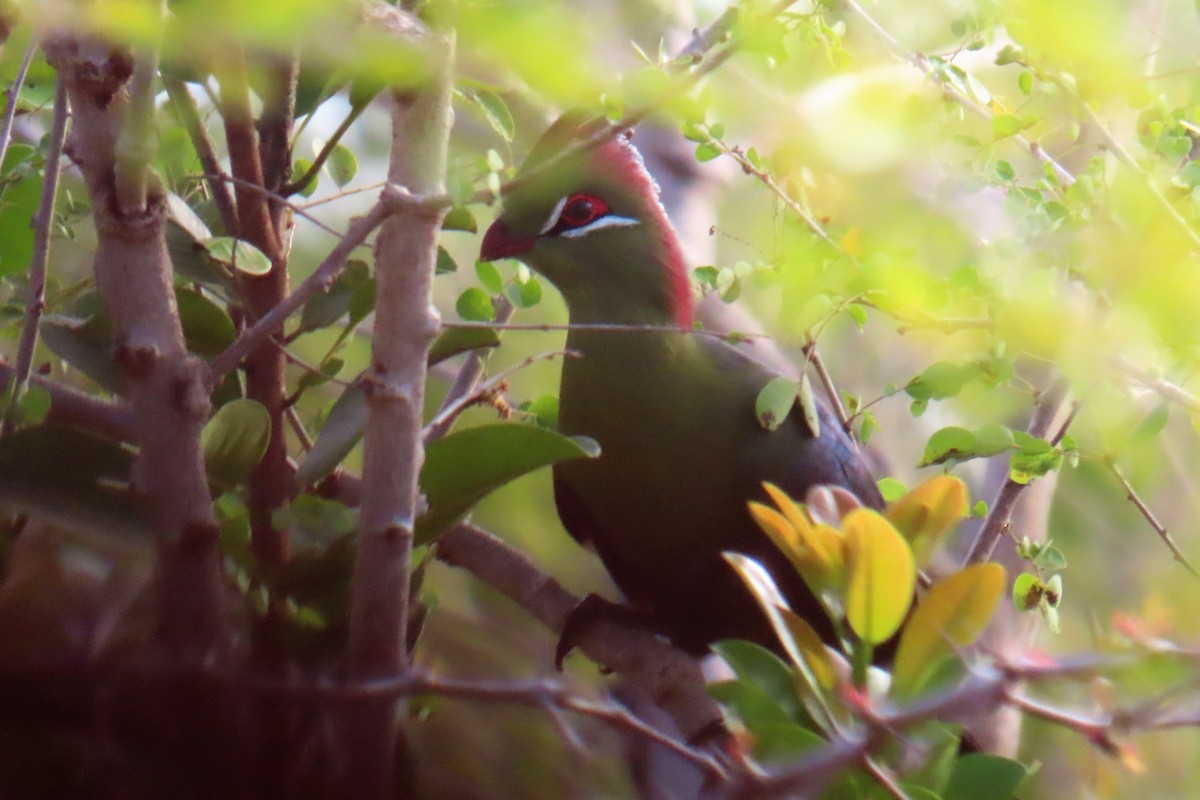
791, 456
574, 515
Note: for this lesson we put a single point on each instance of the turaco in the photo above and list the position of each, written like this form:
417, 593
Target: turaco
681, 448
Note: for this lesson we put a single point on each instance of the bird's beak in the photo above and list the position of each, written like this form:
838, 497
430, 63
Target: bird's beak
498, 242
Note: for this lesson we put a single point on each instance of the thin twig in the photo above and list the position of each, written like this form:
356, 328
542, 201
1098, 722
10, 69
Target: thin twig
270, 195
324, 276
1168, 390
341, 195
921, 63
43, 223
1130, 163
813, 357
769, 181
291, 187
1145, 511
469, 374
448, 413
189, 114
609, 327
293, 418
13, 95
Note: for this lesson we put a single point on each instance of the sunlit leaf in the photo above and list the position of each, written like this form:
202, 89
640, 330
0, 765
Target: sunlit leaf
926, 513
463, 467
342, 164
474, 305
239, 255
984, 777
882, 576
775, 401
951, 615
234, 441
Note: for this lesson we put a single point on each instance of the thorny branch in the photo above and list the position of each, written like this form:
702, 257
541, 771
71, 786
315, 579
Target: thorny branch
12, 95
1133, 497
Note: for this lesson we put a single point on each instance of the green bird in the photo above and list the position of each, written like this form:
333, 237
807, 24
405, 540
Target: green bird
682, 450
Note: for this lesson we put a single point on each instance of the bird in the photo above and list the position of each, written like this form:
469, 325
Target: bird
681, 448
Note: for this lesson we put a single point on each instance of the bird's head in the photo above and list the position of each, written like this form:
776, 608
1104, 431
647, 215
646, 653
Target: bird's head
593, 225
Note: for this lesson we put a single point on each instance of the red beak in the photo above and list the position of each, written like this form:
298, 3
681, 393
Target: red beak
499, 243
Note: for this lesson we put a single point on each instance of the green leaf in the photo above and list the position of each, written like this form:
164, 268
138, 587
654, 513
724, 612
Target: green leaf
342, 165
453, 341
325, 308
87, 346
489, 276
300, 168
948, 443
207, 327
775, 401
882, 576
35, 405
1025, 82
239, 255
234, 441
952, 615
465, 466
1005, 125
474, 305
761, 667
524, 294
1004, 170
445, 262
707, 151
496, 112
1050, 559
1027, 591
891, 489
460, 219
186, 234
1152, 423
20, 203
340, 433
74, 479
984, 777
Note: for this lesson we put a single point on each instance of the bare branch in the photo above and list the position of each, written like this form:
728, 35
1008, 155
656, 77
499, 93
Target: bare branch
43, 224
813, 357
271, 322
1145, 511
446, 415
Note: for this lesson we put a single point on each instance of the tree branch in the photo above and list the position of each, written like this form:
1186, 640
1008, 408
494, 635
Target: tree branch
1140, 505
406, 323
998, 518
189, 115
291, 187
43, 223
168, 388
671, 678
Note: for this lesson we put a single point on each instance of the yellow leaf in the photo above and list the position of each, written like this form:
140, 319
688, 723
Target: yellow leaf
816, 665
796, 515
953, 614
808, 560
927, 512
769, 598
882, 575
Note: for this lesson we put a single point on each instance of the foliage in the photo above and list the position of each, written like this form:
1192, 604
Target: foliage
984, 218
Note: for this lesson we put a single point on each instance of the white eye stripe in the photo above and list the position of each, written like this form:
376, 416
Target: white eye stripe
608, 221
554, 215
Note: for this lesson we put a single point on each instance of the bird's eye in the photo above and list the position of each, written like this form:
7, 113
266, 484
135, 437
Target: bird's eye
580, 209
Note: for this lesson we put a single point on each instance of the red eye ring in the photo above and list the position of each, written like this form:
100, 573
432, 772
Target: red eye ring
581, 209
